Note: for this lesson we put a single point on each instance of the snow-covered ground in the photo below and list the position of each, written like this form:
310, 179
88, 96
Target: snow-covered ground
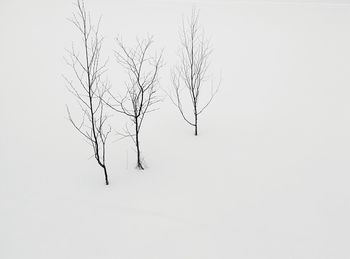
267, 177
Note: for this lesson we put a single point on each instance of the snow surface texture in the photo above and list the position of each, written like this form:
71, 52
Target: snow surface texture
267, 177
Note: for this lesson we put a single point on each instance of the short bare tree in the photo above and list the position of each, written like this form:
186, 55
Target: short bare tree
141, 87
191, 73
88, 85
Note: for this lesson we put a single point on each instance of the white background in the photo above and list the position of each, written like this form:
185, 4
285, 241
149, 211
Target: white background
267, 177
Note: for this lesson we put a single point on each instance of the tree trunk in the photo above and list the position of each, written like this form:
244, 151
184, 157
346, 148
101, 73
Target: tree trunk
139, 164
195, 124
106, 175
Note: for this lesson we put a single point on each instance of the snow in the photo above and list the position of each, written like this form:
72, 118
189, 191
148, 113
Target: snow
267, 177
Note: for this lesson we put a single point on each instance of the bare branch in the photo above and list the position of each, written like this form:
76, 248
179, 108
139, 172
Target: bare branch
141, 89
191, 73
88, 70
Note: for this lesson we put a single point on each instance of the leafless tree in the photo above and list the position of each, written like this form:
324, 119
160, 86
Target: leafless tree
191, 73
88, 86
141, 87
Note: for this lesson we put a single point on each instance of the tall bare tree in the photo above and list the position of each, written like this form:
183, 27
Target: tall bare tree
88, 86
141, 88
191, 73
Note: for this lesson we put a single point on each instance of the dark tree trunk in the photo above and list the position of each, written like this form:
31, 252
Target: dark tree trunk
139, 164
106, 175
195, 124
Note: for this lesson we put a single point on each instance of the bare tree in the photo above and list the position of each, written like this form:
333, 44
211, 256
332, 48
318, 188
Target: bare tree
191, 73
88, 86
141, 88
